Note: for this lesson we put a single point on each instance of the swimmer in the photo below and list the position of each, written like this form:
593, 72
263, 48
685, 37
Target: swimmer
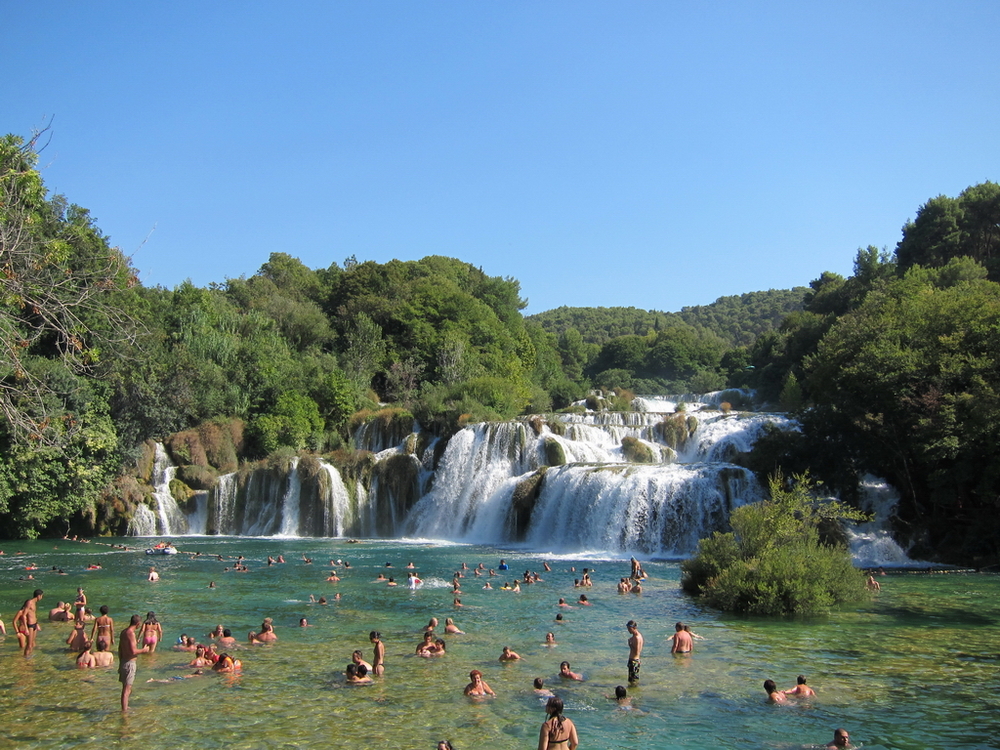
358, 658
429, 627
27, 616
426, 644
583, 601
196, 673
303, 623
550, 639
357, 674
508, 655
478, 685
226, 640
540, 690
153, 576
450, 628
562, 603
200, 658
773, 694
841, 740
801, 690
566, 673
487, 586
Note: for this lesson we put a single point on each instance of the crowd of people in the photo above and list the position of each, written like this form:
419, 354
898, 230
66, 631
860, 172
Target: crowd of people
95, 649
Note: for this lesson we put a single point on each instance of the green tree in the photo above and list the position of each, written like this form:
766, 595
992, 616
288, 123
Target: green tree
775, 561
59, 284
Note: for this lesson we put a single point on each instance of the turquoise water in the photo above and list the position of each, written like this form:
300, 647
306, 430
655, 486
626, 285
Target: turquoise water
919, 667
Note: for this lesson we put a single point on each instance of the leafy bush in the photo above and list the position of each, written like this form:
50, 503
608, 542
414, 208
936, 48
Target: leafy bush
636, 451
774, 561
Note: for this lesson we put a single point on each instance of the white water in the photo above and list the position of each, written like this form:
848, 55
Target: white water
597, 501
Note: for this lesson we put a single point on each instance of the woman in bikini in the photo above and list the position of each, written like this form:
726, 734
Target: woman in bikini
557, 732
152, 632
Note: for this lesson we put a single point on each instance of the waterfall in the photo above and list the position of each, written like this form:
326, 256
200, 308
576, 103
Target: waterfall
870, 543
566, 482
170, 519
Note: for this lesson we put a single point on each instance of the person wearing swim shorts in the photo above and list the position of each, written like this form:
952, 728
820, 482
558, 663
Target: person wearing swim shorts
128, 650
635, 643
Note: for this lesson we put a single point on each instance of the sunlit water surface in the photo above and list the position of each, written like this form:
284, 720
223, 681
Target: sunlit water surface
919, 667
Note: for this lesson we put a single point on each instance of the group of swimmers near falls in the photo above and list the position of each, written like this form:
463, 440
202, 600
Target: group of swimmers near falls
93, 638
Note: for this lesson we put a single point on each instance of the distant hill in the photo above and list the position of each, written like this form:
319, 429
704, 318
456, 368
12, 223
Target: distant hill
738, 319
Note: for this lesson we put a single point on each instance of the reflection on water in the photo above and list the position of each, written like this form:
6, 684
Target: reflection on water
919, 667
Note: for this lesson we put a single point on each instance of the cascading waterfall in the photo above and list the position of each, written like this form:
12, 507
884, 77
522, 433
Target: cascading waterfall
167, 519
870, 543
567, 483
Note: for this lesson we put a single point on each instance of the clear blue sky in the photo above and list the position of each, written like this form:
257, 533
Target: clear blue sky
647, 154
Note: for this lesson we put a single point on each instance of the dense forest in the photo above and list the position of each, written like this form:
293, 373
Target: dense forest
892, 371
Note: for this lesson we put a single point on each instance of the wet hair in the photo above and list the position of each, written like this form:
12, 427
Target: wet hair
357, 653
564, 664
361, 670
38, 592
375, 634
104, 609
554, 706
770, 687
474, 672
227, 633
559, 616
102, 645
445, 744
800, 680
620, 691
679, 627
151, 618
539, 683
135, 620
352, 670
629, 624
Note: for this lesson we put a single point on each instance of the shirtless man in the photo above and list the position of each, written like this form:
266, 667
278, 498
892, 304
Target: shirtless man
773, 694
104, 627
801, 690
358, 658
635, 643
128, 650
508, 655
682, 641
226, 641
61, 612
378, 659
478, 686
29, 619
566, 673
841, 740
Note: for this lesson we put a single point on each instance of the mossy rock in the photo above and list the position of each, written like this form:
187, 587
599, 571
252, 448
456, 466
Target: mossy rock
554, 453
197, 477
637, 452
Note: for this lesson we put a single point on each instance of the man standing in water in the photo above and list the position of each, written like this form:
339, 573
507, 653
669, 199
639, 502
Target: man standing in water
128, 649
634, 650
29, 620
683, 643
